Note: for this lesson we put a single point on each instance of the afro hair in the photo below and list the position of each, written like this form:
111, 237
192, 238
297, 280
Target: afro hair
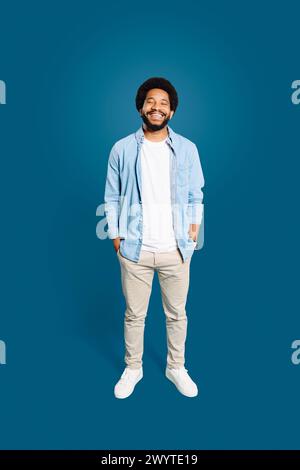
156, 82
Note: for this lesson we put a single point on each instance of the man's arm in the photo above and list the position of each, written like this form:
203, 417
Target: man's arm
195, 200
112, 197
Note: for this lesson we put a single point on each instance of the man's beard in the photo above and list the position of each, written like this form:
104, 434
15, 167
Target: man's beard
154, 127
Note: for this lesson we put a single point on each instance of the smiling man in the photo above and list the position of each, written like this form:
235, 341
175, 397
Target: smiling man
153, 206
2, 92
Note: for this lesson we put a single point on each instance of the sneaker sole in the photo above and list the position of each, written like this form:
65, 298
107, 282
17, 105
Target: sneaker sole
178, 387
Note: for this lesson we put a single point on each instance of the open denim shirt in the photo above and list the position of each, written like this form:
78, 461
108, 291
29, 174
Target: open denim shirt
123, 193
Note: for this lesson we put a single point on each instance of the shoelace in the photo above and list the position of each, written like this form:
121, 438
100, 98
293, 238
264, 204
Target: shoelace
183, 371
126, 376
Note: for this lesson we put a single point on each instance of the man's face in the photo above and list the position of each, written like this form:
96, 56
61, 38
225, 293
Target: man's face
156, 111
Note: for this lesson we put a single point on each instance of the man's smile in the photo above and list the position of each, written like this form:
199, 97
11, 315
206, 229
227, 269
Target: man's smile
155, 115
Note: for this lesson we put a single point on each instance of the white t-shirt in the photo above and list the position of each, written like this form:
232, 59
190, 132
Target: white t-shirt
158, 231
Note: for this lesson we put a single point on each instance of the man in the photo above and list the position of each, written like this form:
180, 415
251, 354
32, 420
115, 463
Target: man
153, 205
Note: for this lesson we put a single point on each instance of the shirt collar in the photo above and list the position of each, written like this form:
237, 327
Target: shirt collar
139, 135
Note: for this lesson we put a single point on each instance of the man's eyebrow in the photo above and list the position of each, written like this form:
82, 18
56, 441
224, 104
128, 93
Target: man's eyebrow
162, 99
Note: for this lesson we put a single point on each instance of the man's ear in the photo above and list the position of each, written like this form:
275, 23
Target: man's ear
172, 114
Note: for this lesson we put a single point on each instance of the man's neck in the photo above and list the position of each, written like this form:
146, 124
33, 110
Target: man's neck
155, 136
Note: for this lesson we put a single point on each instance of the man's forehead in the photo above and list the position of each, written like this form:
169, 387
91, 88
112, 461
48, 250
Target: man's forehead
157, 92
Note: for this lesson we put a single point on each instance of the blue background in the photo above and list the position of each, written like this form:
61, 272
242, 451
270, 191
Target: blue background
72, 70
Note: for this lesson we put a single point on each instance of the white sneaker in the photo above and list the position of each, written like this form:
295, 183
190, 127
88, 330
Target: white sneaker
183, 381
127, 382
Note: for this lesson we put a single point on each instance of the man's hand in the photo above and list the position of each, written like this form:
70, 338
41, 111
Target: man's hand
193, 231
116, 242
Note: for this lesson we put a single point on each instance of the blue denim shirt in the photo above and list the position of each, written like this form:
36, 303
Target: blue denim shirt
123, 193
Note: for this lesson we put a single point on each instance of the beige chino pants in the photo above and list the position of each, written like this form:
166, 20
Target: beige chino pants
173, 275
